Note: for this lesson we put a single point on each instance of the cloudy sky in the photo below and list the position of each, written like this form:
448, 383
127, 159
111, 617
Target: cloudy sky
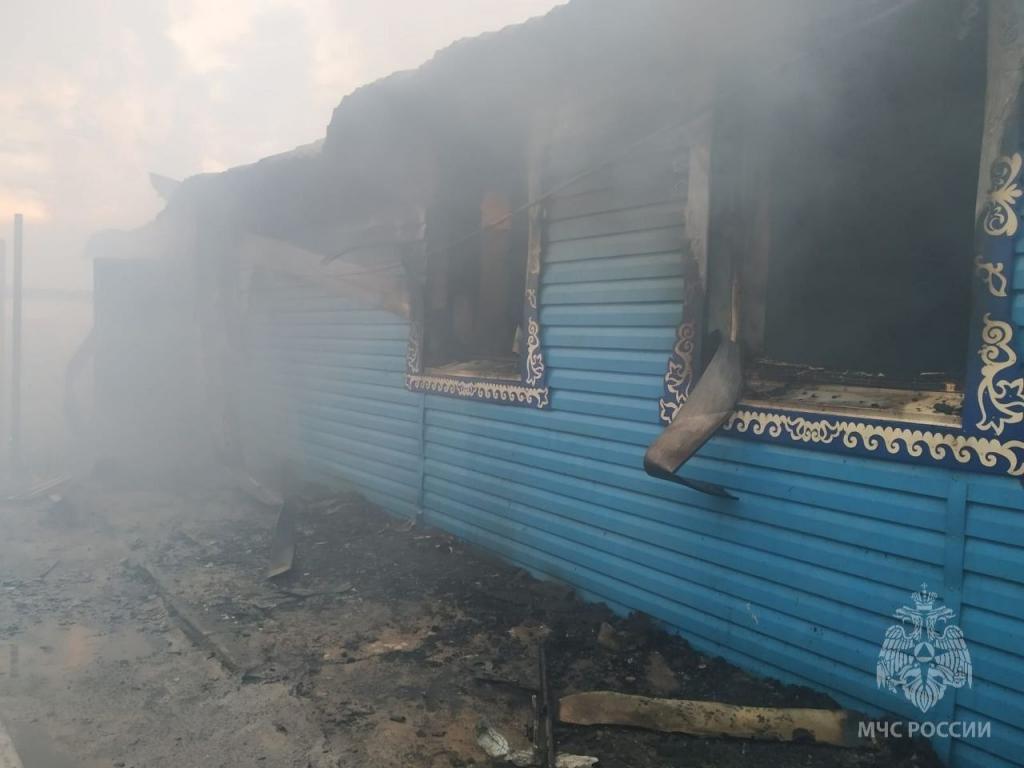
94, 94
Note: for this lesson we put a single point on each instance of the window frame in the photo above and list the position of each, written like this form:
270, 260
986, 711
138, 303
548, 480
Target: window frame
990, 436
530, 389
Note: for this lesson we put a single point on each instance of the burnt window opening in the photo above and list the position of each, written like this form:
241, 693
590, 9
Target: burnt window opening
843, 201
473, 318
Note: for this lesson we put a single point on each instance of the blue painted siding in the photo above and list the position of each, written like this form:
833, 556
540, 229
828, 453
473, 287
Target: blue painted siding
798, 579
993, 599
993, 621
333, 373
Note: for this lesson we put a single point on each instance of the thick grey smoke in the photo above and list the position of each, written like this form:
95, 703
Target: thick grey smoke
94, 95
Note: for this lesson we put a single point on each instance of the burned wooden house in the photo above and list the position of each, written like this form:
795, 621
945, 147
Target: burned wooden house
504, 278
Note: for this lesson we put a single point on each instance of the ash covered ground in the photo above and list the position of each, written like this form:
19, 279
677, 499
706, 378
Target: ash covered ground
385, 645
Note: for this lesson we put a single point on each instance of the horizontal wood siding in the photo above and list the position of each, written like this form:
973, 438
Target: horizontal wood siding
335, 372
992, 618
993, 599
797, 579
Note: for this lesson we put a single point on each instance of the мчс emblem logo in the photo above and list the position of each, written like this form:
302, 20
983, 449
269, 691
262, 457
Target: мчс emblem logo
919, 660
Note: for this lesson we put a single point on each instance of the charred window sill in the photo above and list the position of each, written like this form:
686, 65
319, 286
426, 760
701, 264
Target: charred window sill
498, 369
906, 405
478, 382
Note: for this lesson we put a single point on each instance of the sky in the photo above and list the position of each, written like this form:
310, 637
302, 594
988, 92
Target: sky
95, 94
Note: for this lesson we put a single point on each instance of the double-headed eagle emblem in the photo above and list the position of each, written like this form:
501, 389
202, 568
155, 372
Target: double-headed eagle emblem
919, 659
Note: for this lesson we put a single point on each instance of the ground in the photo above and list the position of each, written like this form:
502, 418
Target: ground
385, 645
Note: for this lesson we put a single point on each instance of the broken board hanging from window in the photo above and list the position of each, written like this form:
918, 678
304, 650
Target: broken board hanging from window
845, 198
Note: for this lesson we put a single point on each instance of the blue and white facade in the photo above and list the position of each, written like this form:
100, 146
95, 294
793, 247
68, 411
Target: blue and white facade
836, 521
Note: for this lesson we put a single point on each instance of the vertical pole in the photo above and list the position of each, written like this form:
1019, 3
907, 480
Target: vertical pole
3, 353
16, 346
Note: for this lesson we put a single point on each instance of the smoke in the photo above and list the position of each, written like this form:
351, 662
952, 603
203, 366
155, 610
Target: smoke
97, 93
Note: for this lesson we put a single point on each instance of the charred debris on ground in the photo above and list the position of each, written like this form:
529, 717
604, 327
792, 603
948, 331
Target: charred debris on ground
466, 629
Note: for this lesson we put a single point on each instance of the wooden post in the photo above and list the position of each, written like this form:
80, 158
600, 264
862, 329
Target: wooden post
3, 352
16, 345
